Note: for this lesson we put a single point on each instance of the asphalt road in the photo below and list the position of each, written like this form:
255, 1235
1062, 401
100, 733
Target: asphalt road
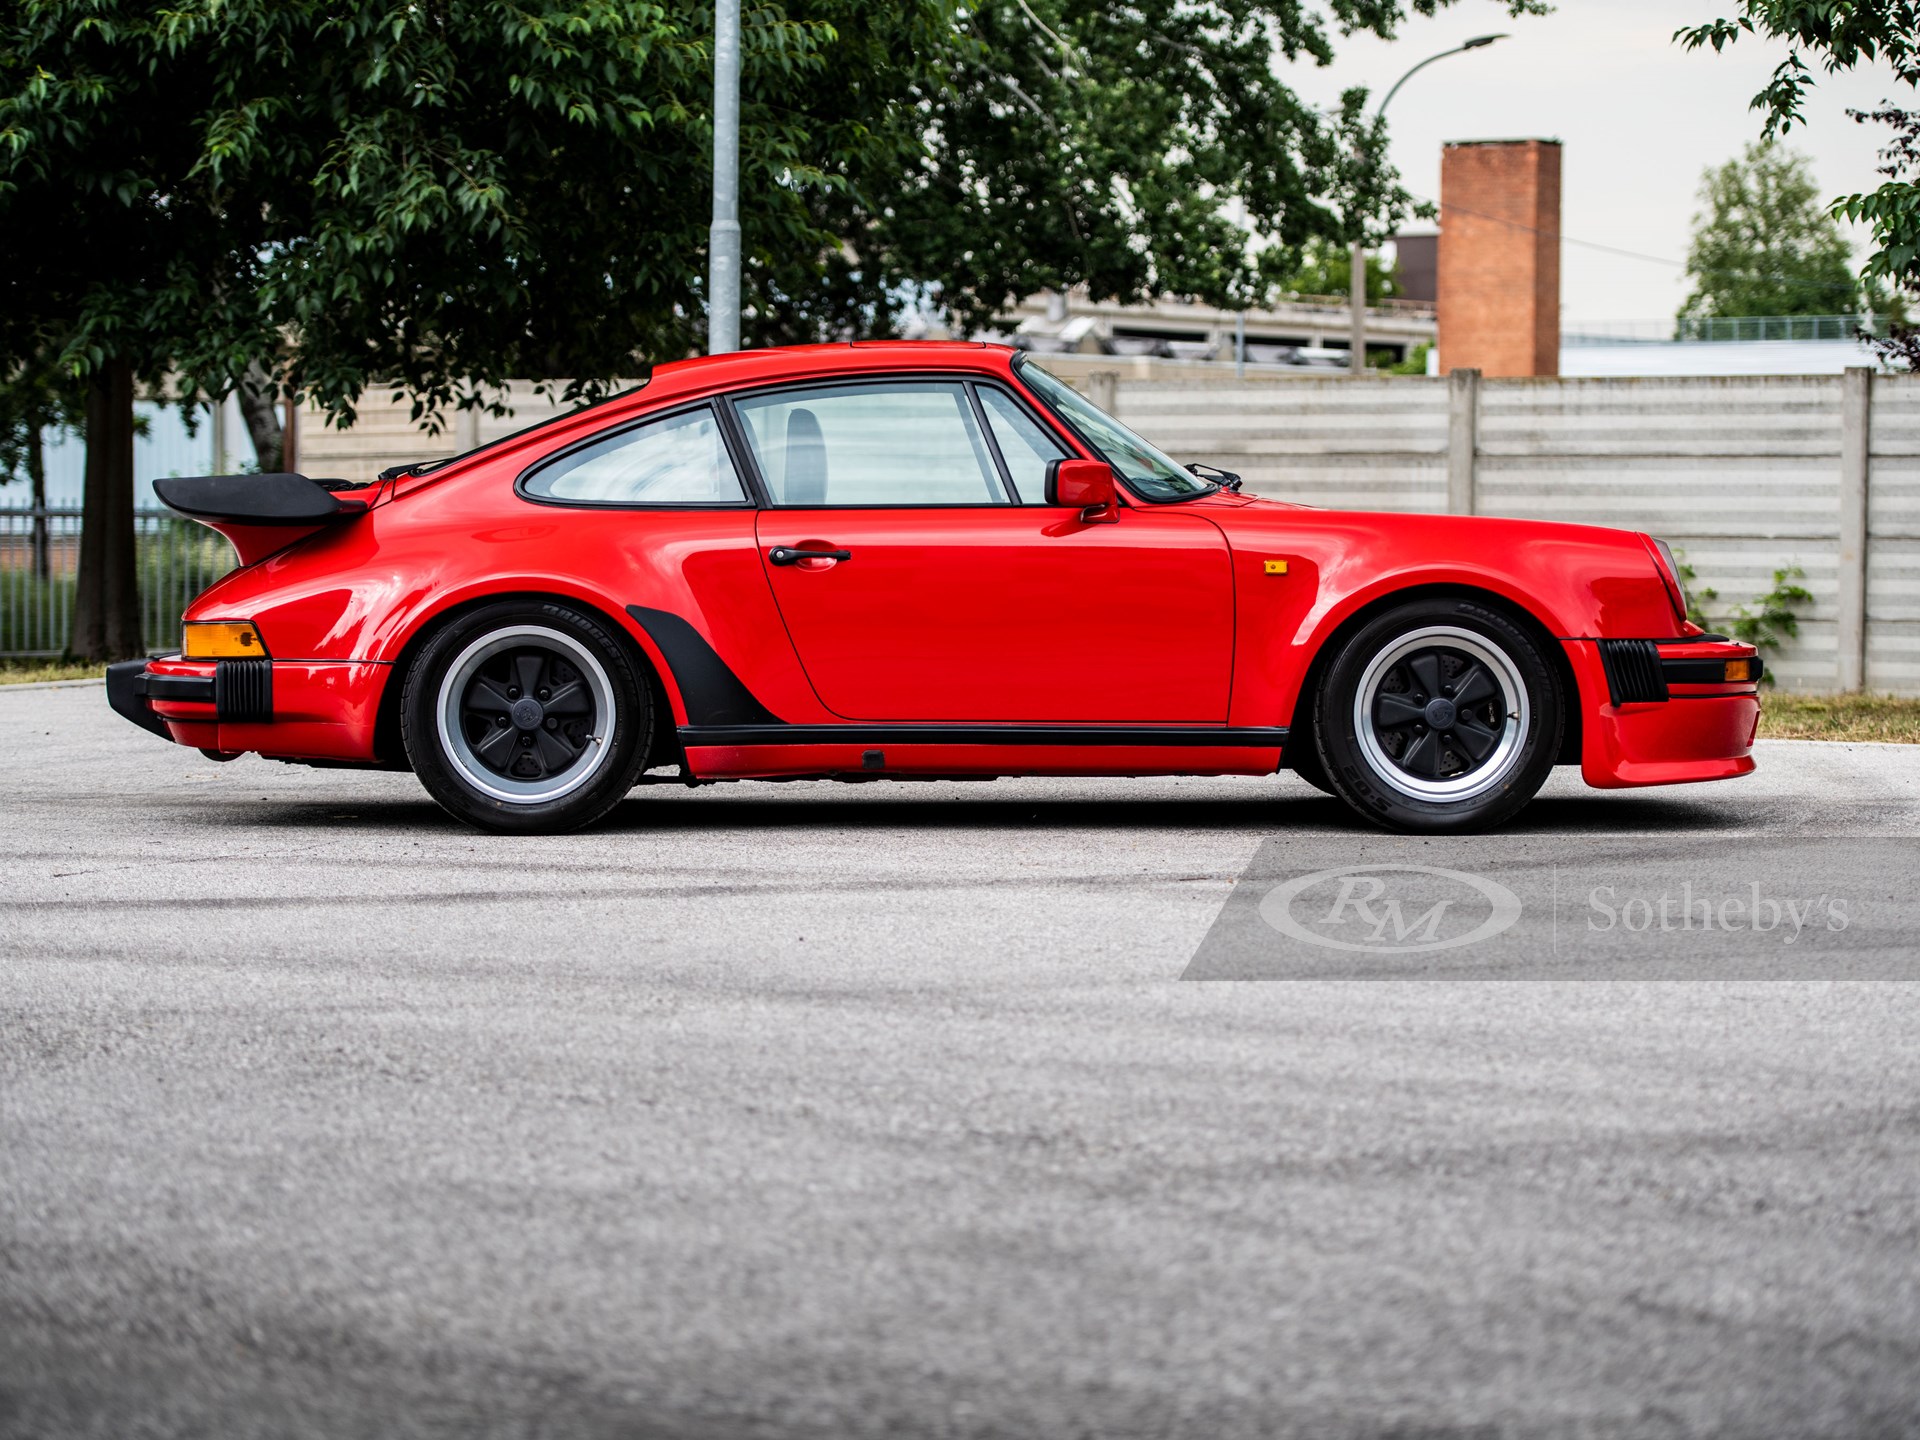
850, 1111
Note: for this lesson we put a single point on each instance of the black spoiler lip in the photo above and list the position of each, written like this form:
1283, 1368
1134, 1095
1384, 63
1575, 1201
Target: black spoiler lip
274, 499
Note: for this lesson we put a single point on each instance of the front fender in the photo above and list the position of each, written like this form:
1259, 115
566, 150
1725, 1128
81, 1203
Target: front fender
1574, 581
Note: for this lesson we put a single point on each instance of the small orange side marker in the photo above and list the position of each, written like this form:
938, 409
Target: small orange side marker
1276, 567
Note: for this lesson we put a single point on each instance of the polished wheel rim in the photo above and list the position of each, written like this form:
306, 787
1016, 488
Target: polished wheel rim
525, 714
1441, 714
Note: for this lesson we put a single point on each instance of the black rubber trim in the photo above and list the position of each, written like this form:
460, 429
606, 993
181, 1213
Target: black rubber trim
197, 688
882, 735
127, 694
712, 693
243, 691
1633, 671
278, 499
1708, 672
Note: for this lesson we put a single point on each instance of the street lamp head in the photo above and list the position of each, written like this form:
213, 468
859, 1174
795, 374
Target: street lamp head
1479, 40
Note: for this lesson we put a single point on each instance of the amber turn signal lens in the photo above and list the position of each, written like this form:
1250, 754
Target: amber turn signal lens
221, 640
1739, 670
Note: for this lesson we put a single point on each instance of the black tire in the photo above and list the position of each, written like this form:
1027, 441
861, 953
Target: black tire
476, 725
1466, 763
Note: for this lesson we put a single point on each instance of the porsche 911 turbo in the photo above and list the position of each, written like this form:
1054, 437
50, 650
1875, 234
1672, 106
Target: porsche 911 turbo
898, 560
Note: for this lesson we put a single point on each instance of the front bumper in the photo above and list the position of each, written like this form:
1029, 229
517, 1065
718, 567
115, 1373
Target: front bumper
1656, 713
321, 710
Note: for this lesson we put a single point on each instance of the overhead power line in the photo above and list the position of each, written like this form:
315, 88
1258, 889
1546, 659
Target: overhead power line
1783, 280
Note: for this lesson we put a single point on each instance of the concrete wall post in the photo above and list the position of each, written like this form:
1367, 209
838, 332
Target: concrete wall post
1463, 439
1856, 426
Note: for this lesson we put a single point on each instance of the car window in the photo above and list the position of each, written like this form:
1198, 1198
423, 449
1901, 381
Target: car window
1150, 471
678, 460
1023, 444
906, 442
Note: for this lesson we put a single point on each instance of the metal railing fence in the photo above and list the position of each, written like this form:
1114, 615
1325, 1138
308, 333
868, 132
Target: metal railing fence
175, 560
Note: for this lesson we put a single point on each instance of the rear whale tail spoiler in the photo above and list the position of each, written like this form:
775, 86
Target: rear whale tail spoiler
259, 514
278, 499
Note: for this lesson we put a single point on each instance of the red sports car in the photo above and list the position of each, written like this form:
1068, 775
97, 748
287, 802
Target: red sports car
911, 561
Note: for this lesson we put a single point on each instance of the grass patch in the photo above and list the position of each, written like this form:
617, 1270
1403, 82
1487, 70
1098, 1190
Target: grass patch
29, 672
1839, 717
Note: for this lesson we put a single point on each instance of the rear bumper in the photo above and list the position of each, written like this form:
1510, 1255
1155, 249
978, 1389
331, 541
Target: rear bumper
1654, 713
319, 710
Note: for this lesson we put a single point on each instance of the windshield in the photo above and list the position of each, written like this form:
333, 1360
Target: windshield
1146, 470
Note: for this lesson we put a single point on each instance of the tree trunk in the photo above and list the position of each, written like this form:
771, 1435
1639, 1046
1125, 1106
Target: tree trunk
37, 478
106, 600
262, 415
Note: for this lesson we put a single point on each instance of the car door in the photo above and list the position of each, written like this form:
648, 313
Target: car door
916, 589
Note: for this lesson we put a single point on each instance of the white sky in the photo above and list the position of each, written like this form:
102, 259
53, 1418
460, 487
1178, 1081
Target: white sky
1640, 119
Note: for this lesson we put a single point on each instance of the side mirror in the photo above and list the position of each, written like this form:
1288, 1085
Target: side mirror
1087, 486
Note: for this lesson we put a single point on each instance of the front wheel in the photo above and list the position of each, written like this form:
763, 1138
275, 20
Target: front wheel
1439, 715
526, 717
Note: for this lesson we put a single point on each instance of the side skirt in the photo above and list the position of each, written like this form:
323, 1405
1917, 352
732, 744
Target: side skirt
901, 752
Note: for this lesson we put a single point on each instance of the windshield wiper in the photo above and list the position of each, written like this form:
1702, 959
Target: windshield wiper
1225, 479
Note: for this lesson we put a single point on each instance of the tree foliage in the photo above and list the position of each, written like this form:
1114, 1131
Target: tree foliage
1828, 37
1324, 268
1136, 147
446, 194
1764, 244
439, 195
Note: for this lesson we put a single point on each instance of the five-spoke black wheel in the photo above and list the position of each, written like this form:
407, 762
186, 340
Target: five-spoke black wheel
525, 709
1440, 714
526, 716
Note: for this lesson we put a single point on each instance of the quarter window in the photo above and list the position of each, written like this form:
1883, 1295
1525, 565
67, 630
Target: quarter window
677, 460
906, 442
1023, 444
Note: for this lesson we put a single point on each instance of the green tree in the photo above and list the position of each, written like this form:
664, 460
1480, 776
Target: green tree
1829, 37
1324, 268
1136, 147
322, 195
1763, 244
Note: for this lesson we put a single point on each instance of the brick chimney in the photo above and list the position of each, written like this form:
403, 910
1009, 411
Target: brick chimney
1499, 301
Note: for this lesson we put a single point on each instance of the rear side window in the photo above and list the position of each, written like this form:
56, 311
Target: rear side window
905, 442
677, 460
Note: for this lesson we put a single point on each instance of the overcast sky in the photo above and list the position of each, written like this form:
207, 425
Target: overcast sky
1640, 118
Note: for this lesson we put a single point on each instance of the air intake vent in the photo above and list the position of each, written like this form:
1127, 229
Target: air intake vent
1633, 671
243, 691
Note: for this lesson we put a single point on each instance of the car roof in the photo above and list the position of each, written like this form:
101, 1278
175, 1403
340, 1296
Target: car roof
710, 374
754, 367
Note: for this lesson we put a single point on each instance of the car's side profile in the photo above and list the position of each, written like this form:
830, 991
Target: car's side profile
900, 560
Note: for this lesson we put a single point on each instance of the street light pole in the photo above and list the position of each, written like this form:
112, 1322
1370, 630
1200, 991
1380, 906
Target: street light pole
723, 240
1357, 255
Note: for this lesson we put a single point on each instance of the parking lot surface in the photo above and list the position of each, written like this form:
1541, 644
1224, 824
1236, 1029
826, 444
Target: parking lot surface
836, 1110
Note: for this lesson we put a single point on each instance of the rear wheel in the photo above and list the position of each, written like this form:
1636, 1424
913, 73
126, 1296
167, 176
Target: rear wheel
1439, 715
527, 717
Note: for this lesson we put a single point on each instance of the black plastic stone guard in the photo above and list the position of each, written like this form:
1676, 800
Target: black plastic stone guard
243, 691
1633, 671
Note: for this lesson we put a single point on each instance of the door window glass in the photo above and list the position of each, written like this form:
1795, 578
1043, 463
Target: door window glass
906, 442
679, 460
1023, 444
1147, 469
